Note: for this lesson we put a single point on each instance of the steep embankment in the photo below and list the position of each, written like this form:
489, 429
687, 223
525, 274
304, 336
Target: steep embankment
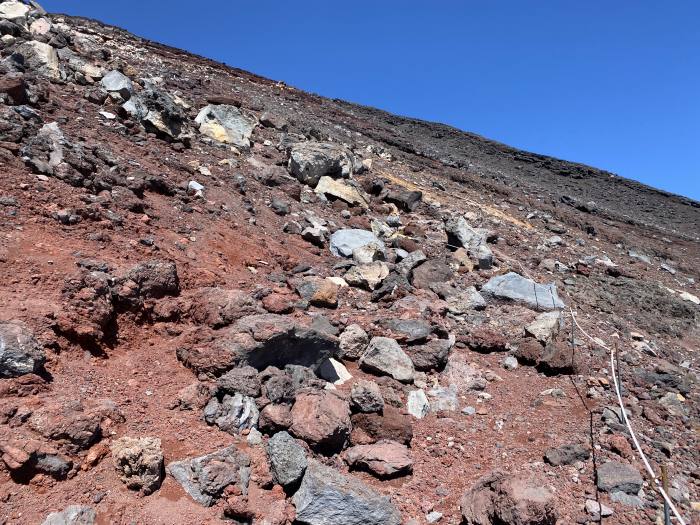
179, 282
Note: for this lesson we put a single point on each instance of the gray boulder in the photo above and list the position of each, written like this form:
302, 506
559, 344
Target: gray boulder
117, 82
517, 288
344, 242
566, 454
365, 396
287, 459
233, 413
243, 379
459, 233
385, 356
72, 515
353, 342
40, 58
327, 497
309, 161
614, 476
226, 124
20, 352
204, 478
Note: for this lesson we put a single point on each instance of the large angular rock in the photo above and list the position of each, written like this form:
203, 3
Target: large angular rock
432, 271
153, 279
117, 82
322, 419
139, 462
417, 404
392, 424
204, 478
520, 289
365, 396
368, 276
29, 457
353, 342
614, 476
40, 58
432, 355
14, 12
385, 356
219, 307
566, 454
158, 111
409, 331
461, 375
233, 413
544, 326
226, 124
20, 352
243, 379
327, 497
261, 341
404, 199
384, 459
344, 242
287, 459
411, 261
340, 190
309, 161
72, 515
502, 498
459, 233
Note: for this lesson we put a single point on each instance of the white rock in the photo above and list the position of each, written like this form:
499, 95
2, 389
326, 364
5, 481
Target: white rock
334, 371
418, 405
14, 11
597, 509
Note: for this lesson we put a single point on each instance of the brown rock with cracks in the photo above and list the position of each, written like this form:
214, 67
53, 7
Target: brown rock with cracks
322, 419
392, 424
499, 497
384, 459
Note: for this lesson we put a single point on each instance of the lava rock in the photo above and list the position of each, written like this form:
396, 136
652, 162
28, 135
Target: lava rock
20, 352
353, 342
517, 288
309, 161
204, 478
139, 462
384, 459
72, 515
614, 476
322, 419
366, 397
233, 413
344, 242
502, 498
385, 356
287, 459
327, 497
566, 454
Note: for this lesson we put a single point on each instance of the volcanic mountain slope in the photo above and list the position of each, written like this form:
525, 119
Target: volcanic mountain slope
227, 299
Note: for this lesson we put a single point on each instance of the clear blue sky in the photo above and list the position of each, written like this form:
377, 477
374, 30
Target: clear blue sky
613, 84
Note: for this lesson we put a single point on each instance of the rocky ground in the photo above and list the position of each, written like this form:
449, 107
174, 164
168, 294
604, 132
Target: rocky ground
227, 300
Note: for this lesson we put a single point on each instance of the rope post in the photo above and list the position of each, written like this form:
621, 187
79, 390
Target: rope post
664, 483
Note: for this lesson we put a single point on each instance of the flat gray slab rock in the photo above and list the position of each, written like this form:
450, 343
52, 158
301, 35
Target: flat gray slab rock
614, 476
343, 242
327, 497
520, 289
72, 515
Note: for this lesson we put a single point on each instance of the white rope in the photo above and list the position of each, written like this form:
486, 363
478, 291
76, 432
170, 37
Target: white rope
656, 480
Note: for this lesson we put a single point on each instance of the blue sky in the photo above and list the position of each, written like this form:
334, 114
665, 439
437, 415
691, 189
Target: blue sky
612, 84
